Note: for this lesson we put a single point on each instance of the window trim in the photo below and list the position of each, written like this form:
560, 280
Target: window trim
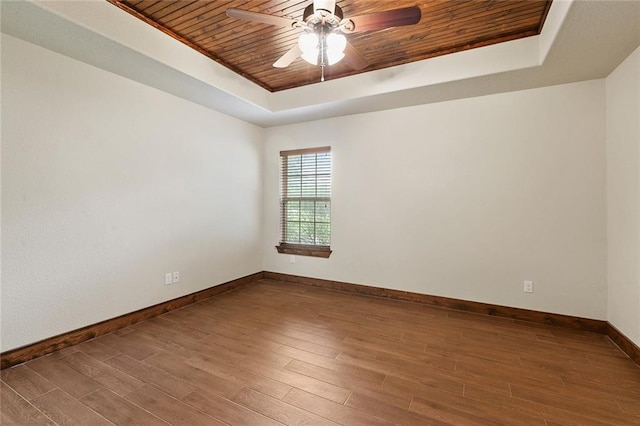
302, 249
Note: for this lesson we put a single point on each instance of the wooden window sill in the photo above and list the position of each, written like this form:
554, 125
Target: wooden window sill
304, 250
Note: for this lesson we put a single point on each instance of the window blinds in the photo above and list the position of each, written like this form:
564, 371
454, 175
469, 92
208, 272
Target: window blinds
305, 201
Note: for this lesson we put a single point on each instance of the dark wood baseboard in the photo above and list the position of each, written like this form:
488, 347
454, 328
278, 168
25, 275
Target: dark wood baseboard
46, 346
567, 321
624, 343
596, 326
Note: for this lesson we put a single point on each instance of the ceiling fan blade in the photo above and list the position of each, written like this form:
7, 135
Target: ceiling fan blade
286, 59
387, 19
260, 17
354, 59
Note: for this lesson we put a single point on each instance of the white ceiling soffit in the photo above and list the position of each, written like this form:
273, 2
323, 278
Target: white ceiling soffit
581, 40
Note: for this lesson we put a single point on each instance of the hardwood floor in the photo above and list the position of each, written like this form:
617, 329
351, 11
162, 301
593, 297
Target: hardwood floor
272, 353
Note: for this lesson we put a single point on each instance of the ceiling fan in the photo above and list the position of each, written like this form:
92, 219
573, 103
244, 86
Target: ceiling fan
323, 41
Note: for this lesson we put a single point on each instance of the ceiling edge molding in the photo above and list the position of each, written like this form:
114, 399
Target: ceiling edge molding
552, 24
107, 20
99, 34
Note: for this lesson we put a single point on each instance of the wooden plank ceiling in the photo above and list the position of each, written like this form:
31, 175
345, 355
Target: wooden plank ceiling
250, 48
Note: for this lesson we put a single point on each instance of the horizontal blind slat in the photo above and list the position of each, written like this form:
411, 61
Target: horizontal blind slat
305, 151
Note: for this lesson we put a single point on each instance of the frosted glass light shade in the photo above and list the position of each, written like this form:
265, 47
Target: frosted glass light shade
308, 42
334, 57
337, 42
311, 57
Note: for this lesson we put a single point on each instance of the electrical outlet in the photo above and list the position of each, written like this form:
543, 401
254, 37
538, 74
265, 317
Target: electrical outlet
292, 259
528, 287
168, 278
176, 277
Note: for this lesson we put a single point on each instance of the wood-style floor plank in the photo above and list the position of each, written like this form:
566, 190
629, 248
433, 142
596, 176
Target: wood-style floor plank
484, 411
26, 382
66, 410
15, 410
131, 344
109, 377
169, 409
331, 364
300, 381
338, 413
226, 410
241, 377
389, 412
97, 349
272, 353
118, 410
531, 408
62, 375
151, 375
278, 410
342, 379
604, 408
447, 414
199, 378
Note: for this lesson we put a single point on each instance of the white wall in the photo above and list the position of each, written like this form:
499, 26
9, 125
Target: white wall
464, 199
108, 184
623, 196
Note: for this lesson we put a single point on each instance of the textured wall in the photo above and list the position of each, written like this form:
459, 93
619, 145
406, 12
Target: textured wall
623, 196
465, 199
106, 186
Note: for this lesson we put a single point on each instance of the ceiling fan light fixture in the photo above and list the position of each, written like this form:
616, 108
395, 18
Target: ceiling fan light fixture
310, 57
334, 57
308, 42
336, 42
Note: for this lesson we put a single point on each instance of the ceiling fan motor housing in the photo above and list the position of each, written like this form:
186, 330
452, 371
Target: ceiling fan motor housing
313, 16
324, 5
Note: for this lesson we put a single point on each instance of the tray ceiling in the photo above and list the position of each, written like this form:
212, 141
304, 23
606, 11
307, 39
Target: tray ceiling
250, 49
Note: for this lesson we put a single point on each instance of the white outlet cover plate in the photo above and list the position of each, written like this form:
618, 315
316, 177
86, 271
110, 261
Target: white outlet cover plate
528, 286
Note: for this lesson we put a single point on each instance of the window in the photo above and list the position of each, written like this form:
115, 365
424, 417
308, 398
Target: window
305, 202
